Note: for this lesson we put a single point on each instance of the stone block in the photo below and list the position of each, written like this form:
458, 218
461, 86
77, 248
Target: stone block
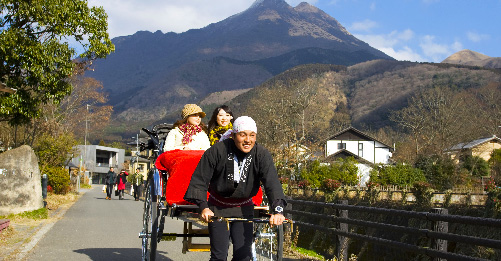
20, 181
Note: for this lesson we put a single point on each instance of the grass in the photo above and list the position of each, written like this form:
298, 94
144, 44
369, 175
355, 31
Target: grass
306, 254
85, 186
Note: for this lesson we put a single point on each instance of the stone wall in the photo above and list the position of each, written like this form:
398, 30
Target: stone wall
20, 181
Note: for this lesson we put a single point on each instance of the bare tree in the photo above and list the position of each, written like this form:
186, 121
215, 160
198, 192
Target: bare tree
435, 119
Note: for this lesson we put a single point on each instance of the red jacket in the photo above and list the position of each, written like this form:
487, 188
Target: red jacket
121, 180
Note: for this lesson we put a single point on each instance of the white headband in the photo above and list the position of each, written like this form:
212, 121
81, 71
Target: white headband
242, 123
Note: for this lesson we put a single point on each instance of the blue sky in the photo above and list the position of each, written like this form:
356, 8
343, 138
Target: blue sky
411, 30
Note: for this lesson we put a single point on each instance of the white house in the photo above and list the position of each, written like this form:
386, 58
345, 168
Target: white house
365, 149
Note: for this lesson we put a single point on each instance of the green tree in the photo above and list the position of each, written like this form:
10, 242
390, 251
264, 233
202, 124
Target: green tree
400, 174
475, 165
54, 151
495, 163
35, 52
344, 171
439, 171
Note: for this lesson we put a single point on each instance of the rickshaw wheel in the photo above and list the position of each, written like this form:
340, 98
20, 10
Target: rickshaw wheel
150, 222
268, 242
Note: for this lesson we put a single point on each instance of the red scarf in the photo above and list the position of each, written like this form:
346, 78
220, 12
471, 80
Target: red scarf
188, 131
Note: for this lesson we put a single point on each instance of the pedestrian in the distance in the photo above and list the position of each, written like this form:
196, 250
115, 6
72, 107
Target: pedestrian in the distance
121, 180
137, 179
110, 181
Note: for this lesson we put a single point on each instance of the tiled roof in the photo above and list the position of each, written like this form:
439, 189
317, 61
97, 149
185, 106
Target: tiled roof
472, 144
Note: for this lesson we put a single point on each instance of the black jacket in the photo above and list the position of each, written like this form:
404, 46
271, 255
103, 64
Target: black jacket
110, 178
214, 173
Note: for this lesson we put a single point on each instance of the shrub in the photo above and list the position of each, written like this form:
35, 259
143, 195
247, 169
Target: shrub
303, 184
330, 185
439, 171
54, 151
423, 192
495, 164
343, 170
58, 179
477, 166
400, 175
493, 204
283, 180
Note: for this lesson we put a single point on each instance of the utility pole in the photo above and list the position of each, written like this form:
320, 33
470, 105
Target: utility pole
136, 165
137, 149
85, 151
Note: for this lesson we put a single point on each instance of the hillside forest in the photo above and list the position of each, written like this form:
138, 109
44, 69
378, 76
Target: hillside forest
422, 109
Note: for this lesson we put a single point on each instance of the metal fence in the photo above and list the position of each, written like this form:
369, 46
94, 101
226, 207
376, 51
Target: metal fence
437, 235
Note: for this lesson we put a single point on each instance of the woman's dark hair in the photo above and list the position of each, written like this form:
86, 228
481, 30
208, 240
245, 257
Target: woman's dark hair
213, 119
185, 120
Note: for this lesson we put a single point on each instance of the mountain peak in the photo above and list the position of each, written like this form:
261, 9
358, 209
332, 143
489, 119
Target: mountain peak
468, 57
259, 3
465, 56
304, 7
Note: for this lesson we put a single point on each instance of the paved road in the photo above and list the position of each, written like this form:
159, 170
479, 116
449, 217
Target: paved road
98, 229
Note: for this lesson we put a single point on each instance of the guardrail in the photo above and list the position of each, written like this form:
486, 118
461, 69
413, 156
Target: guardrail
438, 235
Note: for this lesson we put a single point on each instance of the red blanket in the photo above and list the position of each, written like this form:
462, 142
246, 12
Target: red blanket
181, 164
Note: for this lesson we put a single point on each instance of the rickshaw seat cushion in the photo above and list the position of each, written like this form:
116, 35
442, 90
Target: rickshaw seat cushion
180, 164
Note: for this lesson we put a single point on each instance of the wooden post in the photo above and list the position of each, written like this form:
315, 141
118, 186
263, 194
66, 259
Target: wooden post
442, 227
341, 241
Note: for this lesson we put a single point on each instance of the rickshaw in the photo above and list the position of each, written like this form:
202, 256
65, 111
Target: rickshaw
163, 200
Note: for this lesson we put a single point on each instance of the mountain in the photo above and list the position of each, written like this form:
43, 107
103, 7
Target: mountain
362, 95
468, 57
152, 75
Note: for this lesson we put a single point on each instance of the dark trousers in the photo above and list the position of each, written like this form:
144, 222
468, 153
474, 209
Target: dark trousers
136, 192
241, 234
109, 189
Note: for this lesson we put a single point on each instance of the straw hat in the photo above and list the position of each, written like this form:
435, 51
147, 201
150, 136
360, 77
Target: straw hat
190, 109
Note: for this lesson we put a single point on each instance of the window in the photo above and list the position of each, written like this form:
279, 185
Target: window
341, 146
361, 149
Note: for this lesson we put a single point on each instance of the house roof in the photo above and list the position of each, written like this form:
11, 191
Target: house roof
344, 154
358, 133
475, 143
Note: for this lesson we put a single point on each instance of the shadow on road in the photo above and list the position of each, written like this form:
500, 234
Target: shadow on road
122, 254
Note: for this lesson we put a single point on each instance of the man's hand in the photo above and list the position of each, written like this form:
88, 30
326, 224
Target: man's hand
206, 214
277, 219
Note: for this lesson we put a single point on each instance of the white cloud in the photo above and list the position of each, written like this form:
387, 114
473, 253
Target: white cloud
475, 37
437, 52
365, 25
394, 44
126, 17
405, 53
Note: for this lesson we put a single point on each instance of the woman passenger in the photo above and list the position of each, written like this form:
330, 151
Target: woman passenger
219, 123
189, 133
